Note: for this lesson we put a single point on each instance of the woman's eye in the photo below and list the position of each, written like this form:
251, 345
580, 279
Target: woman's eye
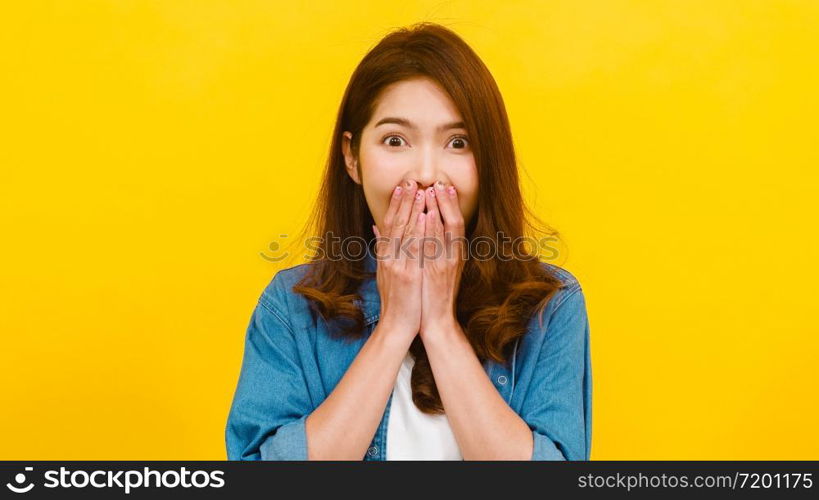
394, 140
459, 142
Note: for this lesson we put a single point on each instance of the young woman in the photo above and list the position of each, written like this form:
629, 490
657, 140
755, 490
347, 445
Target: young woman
440, 339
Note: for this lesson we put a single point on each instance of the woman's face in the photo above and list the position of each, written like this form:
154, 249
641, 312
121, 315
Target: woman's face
414, 134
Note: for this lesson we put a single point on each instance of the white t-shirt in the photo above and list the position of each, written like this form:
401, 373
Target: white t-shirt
412, 434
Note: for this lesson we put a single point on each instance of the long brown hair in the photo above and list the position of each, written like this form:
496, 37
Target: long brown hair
497, 297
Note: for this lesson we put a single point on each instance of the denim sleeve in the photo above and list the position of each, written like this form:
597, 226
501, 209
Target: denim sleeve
271, 402
558, 406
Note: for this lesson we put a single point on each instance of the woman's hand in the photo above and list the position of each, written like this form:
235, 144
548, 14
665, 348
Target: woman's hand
398, 275
443, 260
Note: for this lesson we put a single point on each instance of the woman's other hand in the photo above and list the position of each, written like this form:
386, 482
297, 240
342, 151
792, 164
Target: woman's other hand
398, 255
443, 259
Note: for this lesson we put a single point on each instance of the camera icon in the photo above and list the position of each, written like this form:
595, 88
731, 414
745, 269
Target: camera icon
20, 478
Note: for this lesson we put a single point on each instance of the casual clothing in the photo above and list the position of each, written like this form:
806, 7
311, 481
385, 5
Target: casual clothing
291, 363
412, 434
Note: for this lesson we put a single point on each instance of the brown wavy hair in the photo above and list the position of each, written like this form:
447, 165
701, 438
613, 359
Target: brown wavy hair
496, 298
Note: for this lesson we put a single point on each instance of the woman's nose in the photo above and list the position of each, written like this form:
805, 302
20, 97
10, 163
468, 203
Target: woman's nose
426, 179
426, 171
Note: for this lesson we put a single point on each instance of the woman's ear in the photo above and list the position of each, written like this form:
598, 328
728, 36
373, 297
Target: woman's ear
350, 161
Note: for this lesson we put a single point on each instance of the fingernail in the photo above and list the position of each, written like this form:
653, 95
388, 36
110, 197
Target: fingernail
439, 185
408, 184
451, 190
397, 192
419, 195
431, 192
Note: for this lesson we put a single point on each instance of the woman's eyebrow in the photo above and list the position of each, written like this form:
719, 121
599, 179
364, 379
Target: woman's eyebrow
406, 123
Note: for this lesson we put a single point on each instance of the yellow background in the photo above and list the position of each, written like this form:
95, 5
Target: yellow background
151, 151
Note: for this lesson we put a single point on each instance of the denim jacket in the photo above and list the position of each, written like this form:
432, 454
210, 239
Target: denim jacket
291, 364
